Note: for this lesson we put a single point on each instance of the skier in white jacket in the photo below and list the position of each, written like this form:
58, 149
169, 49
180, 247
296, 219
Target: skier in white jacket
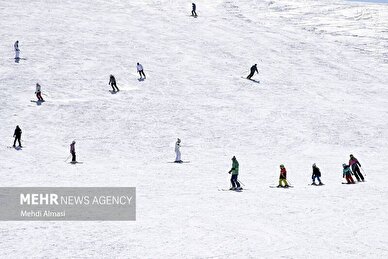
178, 151
17, 50
140, 70
38, 93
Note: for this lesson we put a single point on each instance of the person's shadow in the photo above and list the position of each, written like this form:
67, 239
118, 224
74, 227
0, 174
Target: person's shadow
37, 102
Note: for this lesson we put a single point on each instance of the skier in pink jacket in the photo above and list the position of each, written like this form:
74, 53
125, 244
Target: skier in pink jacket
355, 165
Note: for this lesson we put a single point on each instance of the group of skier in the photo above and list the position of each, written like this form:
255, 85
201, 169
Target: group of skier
18, 136
354, 164
353, 168
112, 79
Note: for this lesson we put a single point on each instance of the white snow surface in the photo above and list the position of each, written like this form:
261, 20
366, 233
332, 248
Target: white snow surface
322, 96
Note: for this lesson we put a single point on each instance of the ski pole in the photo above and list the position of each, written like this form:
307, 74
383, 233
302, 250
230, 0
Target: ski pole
363, 170
68, 158
241, 182
230, 182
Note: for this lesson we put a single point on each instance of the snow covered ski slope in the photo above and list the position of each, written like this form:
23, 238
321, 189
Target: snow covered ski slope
323, 72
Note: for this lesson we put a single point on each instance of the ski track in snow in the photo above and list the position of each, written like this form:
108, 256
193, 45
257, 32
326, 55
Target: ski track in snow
322, 95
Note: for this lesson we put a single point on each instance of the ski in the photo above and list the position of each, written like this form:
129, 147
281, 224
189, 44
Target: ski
224, 190
273, 186
75, 163
183, 162
253, 80
316, 184
17, 148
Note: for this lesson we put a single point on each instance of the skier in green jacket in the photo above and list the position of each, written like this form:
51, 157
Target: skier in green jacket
234, 171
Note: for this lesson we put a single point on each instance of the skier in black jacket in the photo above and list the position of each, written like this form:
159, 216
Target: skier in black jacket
112, 82
253, 70
17, 135
316, 174
193, 12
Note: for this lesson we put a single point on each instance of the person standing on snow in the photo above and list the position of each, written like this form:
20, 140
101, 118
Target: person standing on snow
353, 162
17, 50
347, 174
112, 82
39, 93
140, 70
17, 135
234, 171
253, 70
316, 174
193, 11
72, 152
178, 151
283, 177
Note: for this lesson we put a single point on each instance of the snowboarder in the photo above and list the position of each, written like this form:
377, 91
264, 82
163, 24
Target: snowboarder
178, 151
112, 82
253, 70
347, 174
353, 162
193, 12
316, 174
17, 50
17, 135
72, 152
38, 92
140, 70
283, 177
234, 171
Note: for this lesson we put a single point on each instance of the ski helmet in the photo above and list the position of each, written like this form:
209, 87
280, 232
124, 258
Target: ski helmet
281, 166
314, 165
344, 165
